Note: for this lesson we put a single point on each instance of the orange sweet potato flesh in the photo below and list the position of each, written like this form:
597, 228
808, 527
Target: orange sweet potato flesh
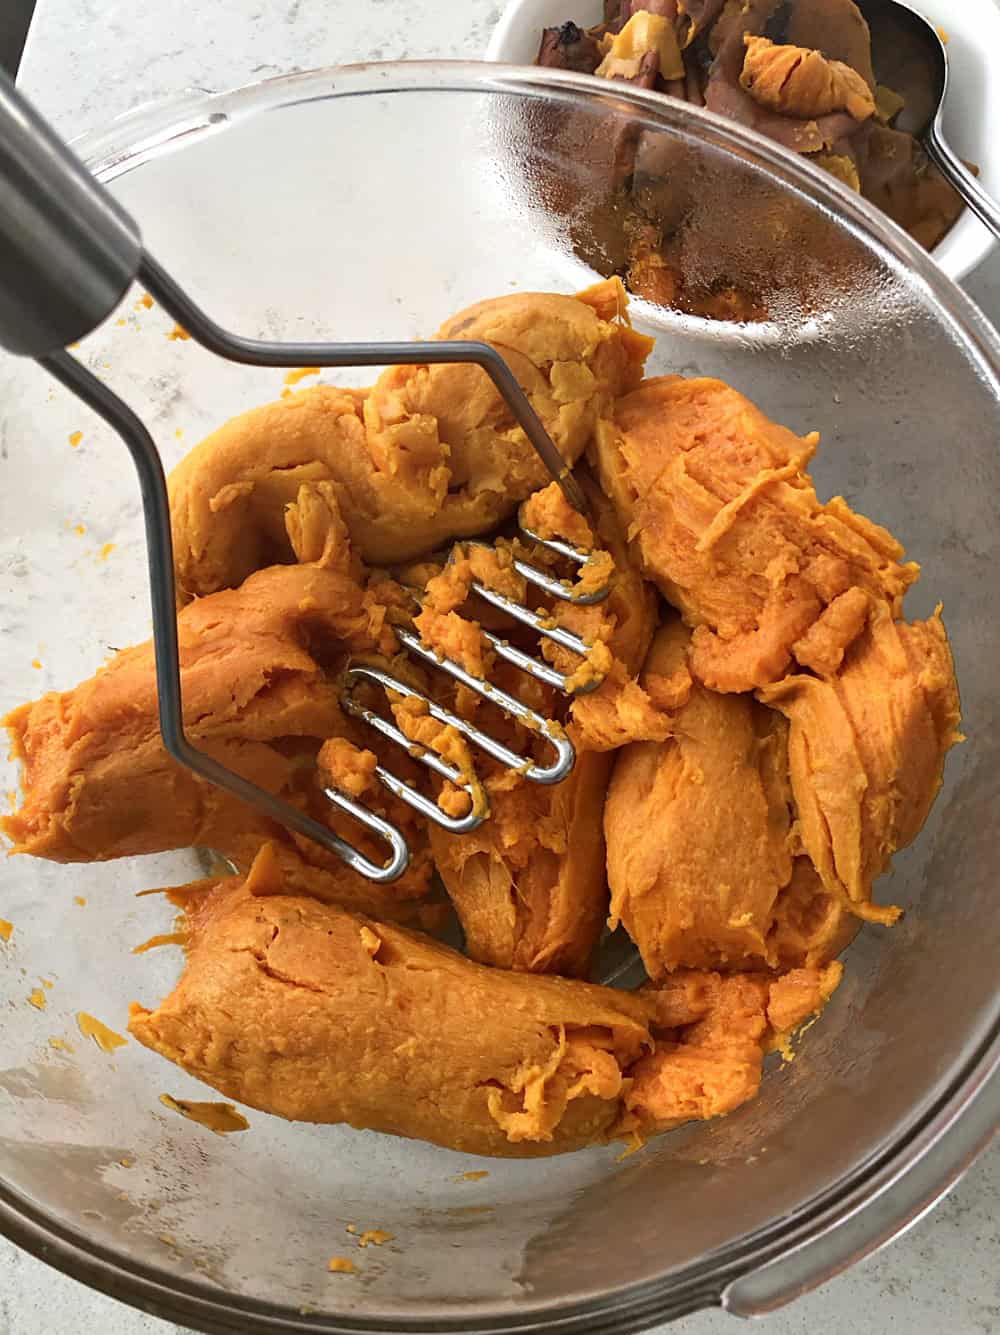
744, 772
698, 887
529, 885
715, 1063
866, 751
619, 710
810, 925
259, 669
317, 1014
799, 81
761, 843
429, 454
722, 515
320, 1015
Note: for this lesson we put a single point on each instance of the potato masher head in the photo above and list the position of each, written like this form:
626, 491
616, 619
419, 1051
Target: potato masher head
68, 253
564, 754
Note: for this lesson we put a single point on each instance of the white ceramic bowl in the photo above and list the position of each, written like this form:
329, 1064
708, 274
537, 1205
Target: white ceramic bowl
972, 112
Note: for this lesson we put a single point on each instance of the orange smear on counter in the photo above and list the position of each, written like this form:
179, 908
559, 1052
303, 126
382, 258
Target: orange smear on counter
106, 1039
6, 930
60, 1045
36, 663
79, 899
38, 999
75, 438
222, 1118
474, 1175
375, 1237
145, 300
341, 1265
79, 529
178, 335
106, 551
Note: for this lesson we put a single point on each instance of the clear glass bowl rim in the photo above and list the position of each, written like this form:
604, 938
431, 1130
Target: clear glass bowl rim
882, 1196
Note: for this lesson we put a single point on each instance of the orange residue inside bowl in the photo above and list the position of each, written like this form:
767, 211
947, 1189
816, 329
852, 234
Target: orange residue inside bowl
222, 1118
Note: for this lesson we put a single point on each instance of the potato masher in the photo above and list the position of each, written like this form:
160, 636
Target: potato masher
68, 253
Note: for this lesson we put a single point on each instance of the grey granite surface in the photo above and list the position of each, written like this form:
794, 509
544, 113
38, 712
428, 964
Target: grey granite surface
89, 60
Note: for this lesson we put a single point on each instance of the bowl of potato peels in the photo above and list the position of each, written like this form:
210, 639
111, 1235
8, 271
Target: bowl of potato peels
804, 74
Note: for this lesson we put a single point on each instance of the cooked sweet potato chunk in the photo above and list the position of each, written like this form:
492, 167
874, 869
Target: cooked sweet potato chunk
429, 454
724, 517
316, 1014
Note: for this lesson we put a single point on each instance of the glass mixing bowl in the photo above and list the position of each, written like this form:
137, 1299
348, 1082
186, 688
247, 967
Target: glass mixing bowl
373, 202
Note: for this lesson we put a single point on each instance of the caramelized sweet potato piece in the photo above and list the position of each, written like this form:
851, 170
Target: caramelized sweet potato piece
697, 887
725, 94
801, 82
835, 27
646, 49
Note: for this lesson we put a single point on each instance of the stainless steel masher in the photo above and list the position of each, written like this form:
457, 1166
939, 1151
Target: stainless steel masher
68, 253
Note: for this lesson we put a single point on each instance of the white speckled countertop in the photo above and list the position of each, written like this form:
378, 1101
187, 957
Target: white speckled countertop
89, 60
